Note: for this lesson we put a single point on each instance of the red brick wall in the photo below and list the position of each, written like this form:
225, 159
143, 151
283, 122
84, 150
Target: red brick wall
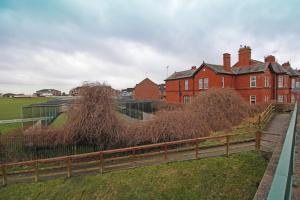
146, 90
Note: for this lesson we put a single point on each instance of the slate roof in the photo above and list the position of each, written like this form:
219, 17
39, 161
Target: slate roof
249, 69
217, 68
254, 68
292, 72
278, 69
182, 74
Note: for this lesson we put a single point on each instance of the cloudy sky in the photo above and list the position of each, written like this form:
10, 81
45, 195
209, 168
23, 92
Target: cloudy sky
61, 43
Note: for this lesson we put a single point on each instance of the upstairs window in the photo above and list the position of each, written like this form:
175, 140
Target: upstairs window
293, 83
253, 99
223, 82
252, 81
200, 83
205, 83
186, 84
280, 82
267, 81
285, 81
297, 84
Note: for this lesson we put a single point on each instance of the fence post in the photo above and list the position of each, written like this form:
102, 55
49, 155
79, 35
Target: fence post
257, 140
166, 151
197, 148
101, 162
36, 171
259, 120
4, 175
227, 145
69, 167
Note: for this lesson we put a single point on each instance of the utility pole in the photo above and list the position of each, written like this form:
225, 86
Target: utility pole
167, 70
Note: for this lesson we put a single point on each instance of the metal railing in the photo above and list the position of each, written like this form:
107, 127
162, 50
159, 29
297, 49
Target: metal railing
281, 187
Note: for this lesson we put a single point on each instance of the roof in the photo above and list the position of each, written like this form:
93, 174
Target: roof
278, 69
255, 67
292, 72
249, 69
47, 90
146, 79
217, 68
182, 74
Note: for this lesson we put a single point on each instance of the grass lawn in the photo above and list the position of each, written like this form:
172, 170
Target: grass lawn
11, 108
59, 121
236, 177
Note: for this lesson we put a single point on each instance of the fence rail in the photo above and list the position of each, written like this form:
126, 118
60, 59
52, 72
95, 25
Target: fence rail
281, 187
265, 116
108, 160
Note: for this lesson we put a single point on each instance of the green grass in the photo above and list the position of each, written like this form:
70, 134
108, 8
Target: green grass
11, 108
236, 177
59, 121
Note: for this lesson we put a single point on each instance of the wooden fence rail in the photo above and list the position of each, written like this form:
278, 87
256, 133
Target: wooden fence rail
105, 160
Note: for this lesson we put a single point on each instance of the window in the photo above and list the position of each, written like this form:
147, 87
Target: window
293, 98
280, 81
293, 83
200, 83
267, 81
186, 99
297, 84
285, 81
205, 83
252, 81
280, 99
223, 82
253, 99
186, 84
266, 99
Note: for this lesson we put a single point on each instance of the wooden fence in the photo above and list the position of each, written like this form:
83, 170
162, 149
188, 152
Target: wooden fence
123, 158
266, 115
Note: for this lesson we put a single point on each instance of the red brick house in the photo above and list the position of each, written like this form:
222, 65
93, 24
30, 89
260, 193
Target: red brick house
255, 81
147, 90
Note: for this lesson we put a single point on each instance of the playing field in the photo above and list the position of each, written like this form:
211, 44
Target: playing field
11, 108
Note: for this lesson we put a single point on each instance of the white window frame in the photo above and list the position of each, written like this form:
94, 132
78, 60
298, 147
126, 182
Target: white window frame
186, 84
280, 98
205, 83
297, 84
293, 99
280, 81
252, 97
200, 83
293, 83
267, 81
186, 99
223, 82
252, 81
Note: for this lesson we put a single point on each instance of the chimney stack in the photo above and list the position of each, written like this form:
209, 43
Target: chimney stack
194, 68
286, 64
226, 62
270, 58
244, 56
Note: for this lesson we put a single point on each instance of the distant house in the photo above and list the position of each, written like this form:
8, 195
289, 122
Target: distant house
9, 95
126, 93
48, 92
147, 90
75, 91
255, 81
162, 90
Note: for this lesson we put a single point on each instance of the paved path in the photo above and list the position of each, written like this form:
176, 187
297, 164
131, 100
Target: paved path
275, 135
296, 185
